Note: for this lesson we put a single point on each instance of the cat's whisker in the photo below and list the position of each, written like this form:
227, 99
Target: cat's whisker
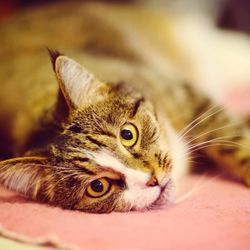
208, 146
218, 139
195, 120
210, 131
194, 124
196, 188
212, 145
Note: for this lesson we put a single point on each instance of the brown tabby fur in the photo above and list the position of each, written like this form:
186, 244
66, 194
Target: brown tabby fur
38, 123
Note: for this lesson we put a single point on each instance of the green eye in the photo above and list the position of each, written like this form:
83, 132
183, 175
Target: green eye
128, 135
98, 188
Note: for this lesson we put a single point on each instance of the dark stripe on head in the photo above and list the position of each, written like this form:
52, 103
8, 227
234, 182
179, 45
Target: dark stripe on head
73, 181
102, 132
137, 105
81, 159
77, 129
100, 144
83, 169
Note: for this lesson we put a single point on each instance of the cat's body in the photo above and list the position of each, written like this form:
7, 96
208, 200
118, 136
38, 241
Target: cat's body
133, 50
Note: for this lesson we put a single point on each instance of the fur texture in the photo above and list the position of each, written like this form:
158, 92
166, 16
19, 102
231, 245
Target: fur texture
118, 134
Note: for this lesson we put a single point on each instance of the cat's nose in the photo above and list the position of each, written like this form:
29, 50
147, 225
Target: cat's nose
152, 182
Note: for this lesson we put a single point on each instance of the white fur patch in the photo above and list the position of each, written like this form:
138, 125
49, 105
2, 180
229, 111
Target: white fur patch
137, 195
177, 149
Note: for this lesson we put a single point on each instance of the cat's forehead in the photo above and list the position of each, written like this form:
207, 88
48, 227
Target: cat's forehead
121, 93
114, 100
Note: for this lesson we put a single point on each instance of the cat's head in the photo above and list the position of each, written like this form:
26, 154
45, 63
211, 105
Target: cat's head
112, 155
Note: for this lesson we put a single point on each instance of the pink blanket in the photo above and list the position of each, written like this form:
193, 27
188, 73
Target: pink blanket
215, 216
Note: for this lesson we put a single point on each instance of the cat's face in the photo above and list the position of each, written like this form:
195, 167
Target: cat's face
113, 146
113, 154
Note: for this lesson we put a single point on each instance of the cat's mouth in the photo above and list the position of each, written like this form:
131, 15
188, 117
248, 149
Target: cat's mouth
165, 195
163, 199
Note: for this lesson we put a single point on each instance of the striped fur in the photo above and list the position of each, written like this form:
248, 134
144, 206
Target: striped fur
66, 137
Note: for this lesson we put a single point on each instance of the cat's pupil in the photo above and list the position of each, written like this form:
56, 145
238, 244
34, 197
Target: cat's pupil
126, 134
97, 186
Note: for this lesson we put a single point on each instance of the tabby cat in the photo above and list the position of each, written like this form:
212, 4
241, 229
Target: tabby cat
119, 131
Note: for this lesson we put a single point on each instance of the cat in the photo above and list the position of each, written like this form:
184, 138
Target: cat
122, 125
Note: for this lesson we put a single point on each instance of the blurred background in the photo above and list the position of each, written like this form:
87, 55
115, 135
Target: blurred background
232, 14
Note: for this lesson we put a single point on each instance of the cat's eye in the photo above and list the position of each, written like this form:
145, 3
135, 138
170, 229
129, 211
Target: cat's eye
128, 135
98, 188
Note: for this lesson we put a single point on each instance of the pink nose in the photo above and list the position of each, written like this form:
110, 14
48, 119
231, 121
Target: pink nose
152, 182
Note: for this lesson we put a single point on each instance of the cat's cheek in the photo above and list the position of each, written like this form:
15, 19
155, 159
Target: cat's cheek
138, 198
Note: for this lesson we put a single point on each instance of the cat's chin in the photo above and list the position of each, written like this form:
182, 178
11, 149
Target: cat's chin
165, 198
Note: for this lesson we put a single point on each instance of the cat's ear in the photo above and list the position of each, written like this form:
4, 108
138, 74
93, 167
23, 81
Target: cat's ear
78, 86
24, 175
